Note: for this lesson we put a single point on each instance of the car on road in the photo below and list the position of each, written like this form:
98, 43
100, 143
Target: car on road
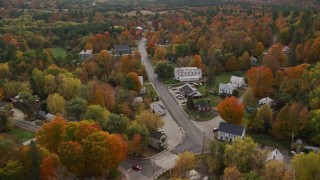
136, 167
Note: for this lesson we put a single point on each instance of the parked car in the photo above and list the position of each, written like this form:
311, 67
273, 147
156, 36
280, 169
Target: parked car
215, 129
169, 87
174, 89
136, 167
250, 109
177, 92
178, 96
181, 98
184, 102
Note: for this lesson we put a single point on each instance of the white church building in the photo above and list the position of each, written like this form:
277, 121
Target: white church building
187, 74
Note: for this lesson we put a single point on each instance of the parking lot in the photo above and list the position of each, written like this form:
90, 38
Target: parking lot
174, 91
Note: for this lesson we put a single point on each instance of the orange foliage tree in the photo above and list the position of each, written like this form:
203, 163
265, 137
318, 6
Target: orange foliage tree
52, 134
197, 61
71, 156
132, 82
49, 167
275, 58
260, 80
135, 145
231, 110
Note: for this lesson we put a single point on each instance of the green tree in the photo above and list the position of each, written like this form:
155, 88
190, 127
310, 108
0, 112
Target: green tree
8, 151
13, 88
5, 118
11, 171
315, 126
55, 104
117, 123
28, 103
262, 120
135, 128
190, 103
214, 159
164, 70
76, 108
97, 114
69, 87
252, 175
306, 166
244, 155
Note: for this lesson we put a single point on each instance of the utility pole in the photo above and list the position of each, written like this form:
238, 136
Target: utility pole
203, 142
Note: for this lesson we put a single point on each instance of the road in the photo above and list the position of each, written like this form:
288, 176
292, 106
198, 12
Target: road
18, 120
194, 137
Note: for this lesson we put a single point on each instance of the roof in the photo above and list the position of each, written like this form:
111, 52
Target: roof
186, 69
141, 80
203, 104
137, 99
85, 52
155, 134
224, 86
125, 49
231, 128
276, 155
236, 79
265, 100
188, 89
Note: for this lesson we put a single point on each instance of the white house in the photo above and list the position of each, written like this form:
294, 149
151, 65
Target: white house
237, 81
85, 54
265, 100
276, 155
226, 88
187, 74
158, 109
229, 132
143, 89
158, 140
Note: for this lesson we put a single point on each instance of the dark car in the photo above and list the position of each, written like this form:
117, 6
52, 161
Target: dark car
136, 167
250, 109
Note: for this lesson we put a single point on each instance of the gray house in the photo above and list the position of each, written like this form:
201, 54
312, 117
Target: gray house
158, 140
85, 54
229, 132
122, 49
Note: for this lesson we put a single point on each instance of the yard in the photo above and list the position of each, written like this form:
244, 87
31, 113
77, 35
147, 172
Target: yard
268, 140
18, 135
196, 116
57, 51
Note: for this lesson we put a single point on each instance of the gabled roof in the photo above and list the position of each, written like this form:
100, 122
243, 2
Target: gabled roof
125, 49
231, 128
236, 79
225, 86
188, 89
265, 100
155, 134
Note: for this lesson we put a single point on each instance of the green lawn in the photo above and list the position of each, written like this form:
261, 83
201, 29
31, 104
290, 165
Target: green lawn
195, 115
19, 135
269, 140
214, 99
149, 89
170, 82
57, 51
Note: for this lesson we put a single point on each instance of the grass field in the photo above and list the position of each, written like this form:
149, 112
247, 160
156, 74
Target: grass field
268, 140
57, 51
19, 135
198, 116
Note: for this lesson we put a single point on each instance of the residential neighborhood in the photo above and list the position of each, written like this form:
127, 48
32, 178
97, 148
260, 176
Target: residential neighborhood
141, 90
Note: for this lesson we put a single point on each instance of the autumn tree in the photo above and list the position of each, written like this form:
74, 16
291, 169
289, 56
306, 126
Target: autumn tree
290, 120
160, 53
259, 49
72, 157
149, 120
132, 82
88, 46
244, 155
52, 134
275, 170
50, 84
232, 64
252, 175
55, 104
186, 161
197, 62
49, 167
69, 87
13, 88
231, 173
6, 118
111, 151
231, 110
76, 131
275, 58
315, 52
260, 80
76, 108
306, 166
135, 146
31, 157
8, 151
135, 128
28, 103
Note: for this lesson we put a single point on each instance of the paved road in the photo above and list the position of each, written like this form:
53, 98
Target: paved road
194, 136
18, 120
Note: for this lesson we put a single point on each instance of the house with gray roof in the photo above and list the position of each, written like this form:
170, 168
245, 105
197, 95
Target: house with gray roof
122, 49
229, 132
188, 90
158, 140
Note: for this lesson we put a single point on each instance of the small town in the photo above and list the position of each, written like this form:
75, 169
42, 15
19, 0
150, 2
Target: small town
160, 90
